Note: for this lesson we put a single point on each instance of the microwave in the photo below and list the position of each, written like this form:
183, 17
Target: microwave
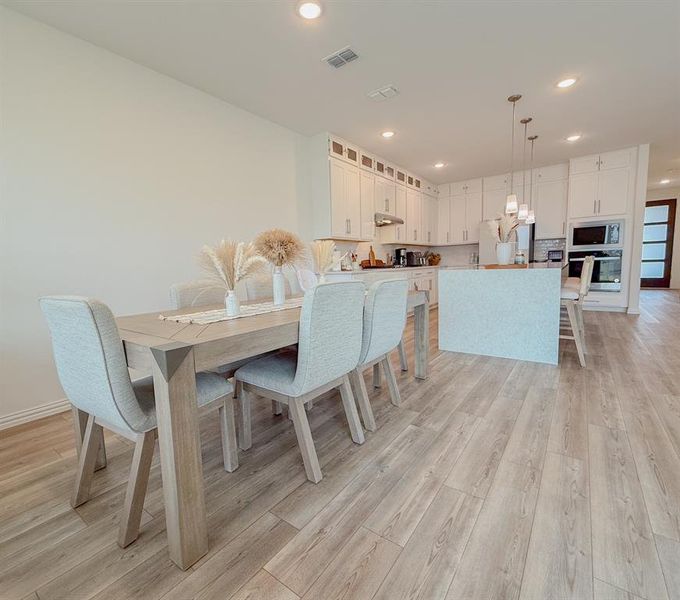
596, 234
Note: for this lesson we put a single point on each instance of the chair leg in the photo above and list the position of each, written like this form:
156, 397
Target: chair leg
361, 394
392, 386
376, 375
581, 327
305, 441
136, 489
351, 411
86, 462
245, 439
571, 311
402, 356
79, 424
276, 408
228, 432
309, 405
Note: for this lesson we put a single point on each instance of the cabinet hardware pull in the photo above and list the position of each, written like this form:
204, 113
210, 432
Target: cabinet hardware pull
415, 234
563, 227
447, 237
595, 206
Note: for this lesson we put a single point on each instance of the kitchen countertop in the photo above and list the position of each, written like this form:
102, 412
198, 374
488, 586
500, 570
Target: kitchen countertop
386, 269
537, 265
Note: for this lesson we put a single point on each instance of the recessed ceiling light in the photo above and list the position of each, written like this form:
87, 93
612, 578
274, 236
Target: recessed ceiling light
387, 134
574, 138
665, 181
438, 165
565, 83
309, 10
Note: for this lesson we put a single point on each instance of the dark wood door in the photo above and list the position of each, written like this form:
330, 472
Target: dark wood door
657, 243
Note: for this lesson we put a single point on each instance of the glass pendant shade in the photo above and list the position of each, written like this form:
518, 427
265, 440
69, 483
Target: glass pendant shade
523, 212
531, 218
511, 204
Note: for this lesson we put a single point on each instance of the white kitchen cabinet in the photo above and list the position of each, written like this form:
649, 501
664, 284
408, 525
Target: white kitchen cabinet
443, 221
385, 196
552, 173
367, 196
396, 234
457, 222
414, 215
444, 190
473, 217
600, 185
496, 182
367, 161
469, 186
340, 149
550, 206
430, 226
494, 203
345, 188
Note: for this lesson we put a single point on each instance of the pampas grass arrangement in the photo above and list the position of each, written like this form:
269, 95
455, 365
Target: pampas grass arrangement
322, 256
230, 262
279, 247
503, 228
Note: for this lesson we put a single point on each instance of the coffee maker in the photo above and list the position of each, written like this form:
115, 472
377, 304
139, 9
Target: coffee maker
400, 257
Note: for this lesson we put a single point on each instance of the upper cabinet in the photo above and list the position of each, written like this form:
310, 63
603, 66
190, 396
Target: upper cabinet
385, 196
600, 185
342, 150
550, 206
367, 198
471, 186
345, 200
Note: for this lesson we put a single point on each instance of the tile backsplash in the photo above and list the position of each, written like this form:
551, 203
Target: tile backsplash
541, 247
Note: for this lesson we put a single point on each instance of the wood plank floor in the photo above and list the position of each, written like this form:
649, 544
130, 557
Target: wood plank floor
494, 479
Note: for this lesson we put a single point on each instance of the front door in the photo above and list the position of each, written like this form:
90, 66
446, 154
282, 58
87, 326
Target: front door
657, 243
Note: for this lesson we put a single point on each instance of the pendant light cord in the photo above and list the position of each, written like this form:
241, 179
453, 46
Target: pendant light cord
512, 150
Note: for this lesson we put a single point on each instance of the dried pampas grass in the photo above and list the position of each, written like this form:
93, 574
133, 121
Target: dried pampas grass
279, 247
322, 255
503, 227
230, 262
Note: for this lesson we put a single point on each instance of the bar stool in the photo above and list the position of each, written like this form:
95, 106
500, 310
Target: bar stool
571, 298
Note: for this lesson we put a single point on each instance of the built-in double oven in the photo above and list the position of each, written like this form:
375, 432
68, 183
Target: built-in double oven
603, 240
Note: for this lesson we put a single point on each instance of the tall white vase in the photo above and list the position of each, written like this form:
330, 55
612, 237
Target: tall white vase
279, 286
232, 304
504, 253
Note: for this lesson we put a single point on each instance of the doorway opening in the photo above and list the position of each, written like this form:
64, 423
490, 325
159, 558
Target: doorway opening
657, 243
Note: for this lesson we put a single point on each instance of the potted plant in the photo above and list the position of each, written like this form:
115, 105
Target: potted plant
227, 264
503, 231
280, 248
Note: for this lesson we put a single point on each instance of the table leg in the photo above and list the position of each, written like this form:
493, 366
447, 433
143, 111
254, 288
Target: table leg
79, 425
174, 382
421, 326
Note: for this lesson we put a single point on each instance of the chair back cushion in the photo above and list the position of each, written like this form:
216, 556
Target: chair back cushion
384, 318
329, 344
307, 279
200, 293
90, 361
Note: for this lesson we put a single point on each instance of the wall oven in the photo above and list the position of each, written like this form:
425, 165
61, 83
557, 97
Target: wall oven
606, 268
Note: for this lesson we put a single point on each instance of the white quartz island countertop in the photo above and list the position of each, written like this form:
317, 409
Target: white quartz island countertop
505, 312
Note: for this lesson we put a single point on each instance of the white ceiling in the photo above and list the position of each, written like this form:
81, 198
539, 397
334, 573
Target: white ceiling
454, 64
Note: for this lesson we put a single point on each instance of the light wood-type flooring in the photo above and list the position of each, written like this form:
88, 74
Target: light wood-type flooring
494, 479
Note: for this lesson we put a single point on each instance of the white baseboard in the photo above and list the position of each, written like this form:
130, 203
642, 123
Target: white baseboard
37, 412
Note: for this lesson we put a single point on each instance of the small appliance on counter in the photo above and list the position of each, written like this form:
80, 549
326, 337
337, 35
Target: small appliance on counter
555, 255
400, 257
415, 259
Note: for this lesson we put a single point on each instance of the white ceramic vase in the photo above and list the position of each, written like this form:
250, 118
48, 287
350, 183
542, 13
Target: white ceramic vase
279, 287
232, 304
504, 253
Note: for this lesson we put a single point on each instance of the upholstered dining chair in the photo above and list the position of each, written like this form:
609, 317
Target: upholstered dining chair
329, 345
91, 365
384, 322
571, 299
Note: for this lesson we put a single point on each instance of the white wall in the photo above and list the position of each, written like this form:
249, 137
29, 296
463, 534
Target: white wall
667, 194
113, 177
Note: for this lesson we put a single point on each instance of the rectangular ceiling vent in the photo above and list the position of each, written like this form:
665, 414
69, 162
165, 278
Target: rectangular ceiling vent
341, 57
383, 93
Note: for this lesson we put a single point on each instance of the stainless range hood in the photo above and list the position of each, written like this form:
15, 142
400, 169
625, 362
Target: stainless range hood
382, 219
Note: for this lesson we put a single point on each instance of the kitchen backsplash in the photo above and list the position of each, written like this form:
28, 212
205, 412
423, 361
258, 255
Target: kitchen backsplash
541, 247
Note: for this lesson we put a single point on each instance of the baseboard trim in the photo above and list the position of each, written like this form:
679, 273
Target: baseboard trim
31, 414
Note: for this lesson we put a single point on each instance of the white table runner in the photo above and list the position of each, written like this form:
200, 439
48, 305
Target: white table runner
220, 314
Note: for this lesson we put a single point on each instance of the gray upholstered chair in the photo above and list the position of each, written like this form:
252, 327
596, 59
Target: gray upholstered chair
384, 322
91, 365
329, 346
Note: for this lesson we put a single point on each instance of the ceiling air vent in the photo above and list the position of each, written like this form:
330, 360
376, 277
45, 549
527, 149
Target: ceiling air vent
383, 93
341, 57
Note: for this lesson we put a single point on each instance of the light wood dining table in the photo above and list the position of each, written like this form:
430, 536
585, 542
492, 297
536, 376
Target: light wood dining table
173, 352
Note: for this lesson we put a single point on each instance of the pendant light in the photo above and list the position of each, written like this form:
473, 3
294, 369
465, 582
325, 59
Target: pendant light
523, 211
511, 198
531, 217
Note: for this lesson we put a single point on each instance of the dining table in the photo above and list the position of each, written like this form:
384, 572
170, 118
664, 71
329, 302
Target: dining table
173, 352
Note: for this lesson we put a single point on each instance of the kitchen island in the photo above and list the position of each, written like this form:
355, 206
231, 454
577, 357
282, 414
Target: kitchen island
511, 313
